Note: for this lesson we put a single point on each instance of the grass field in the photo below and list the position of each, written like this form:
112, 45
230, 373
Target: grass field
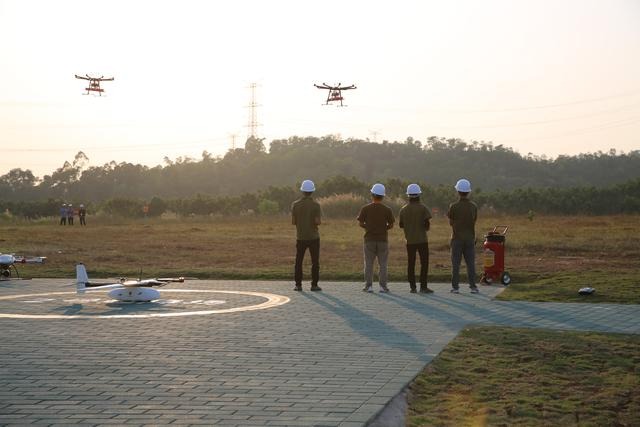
503, 377
549, 258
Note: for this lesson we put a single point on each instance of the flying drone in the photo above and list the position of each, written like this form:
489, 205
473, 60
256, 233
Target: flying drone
94, 83
335, 92
124, 290
10, 260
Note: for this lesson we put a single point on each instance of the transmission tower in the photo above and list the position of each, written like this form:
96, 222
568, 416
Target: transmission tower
253, 113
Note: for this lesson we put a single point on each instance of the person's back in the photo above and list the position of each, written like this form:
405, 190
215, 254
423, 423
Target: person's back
306, 212
414, 217
376, 218
462, 217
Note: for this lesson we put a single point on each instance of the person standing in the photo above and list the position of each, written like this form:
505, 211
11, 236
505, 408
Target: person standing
463, 215
414, 220
70, 213
63, 214
377, 219
306, 216
82, 214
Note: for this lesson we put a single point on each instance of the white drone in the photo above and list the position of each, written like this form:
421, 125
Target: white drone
124, 290
10, 260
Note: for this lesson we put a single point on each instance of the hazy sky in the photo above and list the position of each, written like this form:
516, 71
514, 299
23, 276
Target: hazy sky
546, 77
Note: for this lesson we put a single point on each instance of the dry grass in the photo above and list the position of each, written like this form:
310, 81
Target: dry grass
263, 247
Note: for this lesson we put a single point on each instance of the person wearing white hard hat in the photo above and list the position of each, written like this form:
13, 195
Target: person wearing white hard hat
376, 218
63, 214
306, 216
82, 214
70, 213
463, 215
414, 220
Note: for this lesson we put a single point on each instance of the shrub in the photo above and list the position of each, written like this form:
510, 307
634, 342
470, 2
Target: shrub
341, 205
268, 207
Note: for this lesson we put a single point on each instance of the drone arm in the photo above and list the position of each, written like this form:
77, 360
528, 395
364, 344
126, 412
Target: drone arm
171, 279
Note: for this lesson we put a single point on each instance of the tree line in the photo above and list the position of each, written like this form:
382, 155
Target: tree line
253, 169
342, 196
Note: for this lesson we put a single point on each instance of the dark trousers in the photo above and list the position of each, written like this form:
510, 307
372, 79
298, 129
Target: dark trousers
460, 249
82, 220
423, 251
63, 220
314, 250
70, 220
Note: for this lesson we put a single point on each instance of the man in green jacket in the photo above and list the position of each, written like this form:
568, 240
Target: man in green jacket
306, 216
414, 220
463, 215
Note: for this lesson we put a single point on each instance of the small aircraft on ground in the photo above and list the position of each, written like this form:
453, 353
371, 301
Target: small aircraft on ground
94, 83
10, 260
124, 290
335, 92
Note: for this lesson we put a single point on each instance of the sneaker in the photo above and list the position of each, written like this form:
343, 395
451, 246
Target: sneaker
455, 291
384, 290
475, 290
367, 289
412, 291
298, 288
425, 290
316, 288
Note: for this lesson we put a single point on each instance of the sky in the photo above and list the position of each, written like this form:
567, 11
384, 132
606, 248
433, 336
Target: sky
546, 77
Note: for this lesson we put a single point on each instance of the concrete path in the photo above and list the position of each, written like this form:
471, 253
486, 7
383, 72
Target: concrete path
333, 358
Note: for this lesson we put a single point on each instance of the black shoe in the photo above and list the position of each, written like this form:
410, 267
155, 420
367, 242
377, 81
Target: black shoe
425, 290
412, 291
298, 288
316, 288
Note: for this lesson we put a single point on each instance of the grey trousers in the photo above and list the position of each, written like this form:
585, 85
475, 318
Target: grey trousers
466, 249
373, 250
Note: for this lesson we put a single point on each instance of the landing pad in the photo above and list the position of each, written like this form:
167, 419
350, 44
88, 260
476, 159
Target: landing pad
97, 305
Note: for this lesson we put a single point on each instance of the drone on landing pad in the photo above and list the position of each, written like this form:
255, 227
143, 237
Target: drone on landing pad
94, 83
335, 92
124, 290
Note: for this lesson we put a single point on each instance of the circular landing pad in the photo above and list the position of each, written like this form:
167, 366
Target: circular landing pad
98, 305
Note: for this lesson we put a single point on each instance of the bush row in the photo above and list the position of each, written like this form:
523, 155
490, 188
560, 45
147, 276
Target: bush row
343, 197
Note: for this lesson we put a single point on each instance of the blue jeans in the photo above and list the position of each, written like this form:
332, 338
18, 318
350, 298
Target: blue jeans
466, 249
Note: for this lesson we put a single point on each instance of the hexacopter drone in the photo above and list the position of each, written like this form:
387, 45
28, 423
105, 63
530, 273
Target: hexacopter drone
94, 83
335, 92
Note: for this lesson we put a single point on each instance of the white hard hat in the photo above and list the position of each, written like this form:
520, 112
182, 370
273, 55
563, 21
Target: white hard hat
378, 189
413, 189
308, 186
463, 186
81, 205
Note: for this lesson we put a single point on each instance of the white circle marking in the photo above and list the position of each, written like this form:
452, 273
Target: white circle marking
273, 300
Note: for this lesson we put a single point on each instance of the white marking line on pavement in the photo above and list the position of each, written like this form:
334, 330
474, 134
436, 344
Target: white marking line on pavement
273, 300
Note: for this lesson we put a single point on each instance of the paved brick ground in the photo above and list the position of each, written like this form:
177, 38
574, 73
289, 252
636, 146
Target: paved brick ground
324, 359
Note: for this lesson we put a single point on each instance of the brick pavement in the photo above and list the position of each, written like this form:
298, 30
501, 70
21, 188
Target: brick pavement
323, 359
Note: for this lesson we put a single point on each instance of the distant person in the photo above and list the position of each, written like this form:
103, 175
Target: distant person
70, 212
414, 220
63, 214
376, 218
306, 216
82, 214
463, 215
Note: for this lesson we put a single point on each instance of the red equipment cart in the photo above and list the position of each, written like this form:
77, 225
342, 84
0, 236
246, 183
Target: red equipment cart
493, 256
